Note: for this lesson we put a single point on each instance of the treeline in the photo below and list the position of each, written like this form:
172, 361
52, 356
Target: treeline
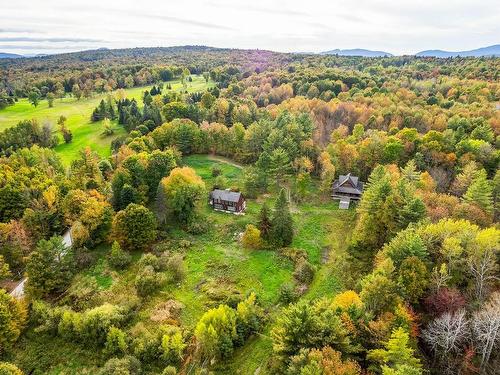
26, 134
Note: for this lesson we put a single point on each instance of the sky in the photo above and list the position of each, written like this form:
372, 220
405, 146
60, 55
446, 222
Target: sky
395, 26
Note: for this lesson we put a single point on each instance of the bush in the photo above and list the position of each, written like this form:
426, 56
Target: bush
169, 370
198, 225
216, 170
177, 268
220, 182
7, 368
251, 237
287, 293
172, 346
115, 342
118, 259
304, 271
127, 365
143, 129
148, 281
152, 260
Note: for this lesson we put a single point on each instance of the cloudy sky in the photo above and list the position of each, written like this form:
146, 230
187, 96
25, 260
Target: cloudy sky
399, 27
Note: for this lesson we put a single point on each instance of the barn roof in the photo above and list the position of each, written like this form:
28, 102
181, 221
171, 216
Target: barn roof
348, 184
225, 195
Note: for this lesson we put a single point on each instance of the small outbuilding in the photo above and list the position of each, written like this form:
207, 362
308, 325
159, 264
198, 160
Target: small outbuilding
347, 188
227, 201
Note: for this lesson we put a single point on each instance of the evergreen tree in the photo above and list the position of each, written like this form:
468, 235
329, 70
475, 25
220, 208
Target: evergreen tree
264, 222
282, 222
50, 267
480, 193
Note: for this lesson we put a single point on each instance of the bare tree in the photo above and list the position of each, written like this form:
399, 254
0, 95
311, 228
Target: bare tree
486, 329
483, 268
447, 333
447, 336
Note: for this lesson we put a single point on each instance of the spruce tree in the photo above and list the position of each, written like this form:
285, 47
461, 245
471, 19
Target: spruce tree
264, 222
480, 193
282, 222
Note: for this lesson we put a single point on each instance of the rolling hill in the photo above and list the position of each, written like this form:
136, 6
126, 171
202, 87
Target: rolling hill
485, 51
5, 55
356, 52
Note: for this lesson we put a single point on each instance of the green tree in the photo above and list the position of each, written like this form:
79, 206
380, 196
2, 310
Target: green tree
309, 325
216, 331
480, 193
180, 193
280, 165
50, 99
282, 222
397, 355
118, 258
4, 268
12, 319
49, 268
34, 97
116, 343
76, 91
134, 227
413, 279
264, 222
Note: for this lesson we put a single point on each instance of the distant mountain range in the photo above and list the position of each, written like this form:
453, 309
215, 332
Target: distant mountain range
356, 52
5, 55
485, 51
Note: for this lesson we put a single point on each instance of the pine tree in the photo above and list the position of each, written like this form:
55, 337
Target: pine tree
282, 222
264, 222
480, 193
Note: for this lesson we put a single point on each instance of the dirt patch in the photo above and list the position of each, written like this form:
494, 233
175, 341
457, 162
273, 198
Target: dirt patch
169, 310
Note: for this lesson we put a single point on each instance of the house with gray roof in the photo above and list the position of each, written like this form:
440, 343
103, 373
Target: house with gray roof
227, 200
347, 188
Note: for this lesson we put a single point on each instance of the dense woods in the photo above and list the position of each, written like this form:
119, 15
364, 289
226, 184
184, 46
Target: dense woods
409, 284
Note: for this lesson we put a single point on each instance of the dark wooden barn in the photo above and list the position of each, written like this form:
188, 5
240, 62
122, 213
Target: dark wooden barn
227, 200
347, 188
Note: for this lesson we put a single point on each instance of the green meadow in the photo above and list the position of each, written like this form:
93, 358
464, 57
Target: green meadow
77, 112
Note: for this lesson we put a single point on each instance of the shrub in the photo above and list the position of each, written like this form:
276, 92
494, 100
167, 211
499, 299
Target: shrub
220, 182
287, 293
127, 365
304, 271
169, 370
118, 258
177, 268
98, 321
172, 346
115, 342
216, 170
7, 368
152, 260
148, 281
251, 237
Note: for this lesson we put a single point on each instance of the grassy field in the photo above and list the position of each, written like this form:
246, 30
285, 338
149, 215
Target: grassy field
218, 269
77, 112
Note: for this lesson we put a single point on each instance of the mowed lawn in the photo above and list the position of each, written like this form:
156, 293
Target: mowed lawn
77, 112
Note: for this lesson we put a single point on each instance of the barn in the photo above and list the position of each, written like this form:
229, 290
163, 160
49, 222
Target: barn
227, 200
347, 188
